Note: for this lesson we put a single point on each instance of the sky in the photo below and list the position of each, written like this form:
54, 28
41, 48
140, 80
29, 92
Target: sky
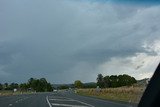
68, 40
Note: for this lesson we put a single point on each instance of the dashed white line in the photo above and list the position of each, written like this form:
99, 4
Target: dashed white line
22, 99
67, 105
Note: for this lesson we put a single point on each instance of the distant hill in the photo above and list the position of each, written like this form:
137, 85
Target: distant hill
143, 82
86, 85
90, 85
59, 85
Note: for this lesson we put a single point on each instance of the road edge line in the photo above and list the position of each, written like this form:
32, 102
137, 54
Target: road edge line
48, 102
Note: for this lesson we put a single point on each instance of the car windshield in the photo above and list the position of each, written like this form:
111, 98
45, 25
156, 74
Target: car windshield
77, 53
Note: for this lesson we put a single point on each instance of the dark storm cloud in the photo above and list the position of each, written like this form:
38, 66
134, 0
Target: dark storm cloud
65, 39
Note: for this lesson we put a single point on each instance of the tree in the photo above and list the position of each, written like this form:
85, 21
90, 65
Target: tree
78, 84
49, 87
1, 86
133, 80
126, 80
32, 83
5, 85
43, 84
24, 86
39, 85
100, 81
107, 81
118, 81
13, 86
114, 80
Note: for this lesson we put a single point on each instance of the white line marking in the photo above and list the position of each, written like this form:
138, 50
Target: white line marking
61, 99
22, 99
75, 101
67, 105
84, 103
10, 104
48, 102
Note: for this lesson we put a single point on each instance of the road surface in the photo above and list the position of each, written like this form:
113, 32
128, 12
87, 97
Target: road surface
56, 99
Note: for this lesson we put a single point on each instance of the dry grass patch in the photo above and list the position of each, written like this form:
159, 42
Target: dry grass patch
126, 94
9, 92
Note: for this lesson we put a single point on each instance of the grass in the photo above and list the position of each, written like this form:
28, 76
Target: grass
124, 94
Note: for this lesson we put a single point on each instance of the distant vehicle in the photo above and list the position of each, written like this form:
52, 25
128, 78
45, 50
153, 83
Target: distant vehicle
55, 90
14, 90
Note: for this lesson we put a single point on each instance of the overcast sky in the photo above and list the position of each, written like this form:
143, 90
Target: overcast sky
68, 40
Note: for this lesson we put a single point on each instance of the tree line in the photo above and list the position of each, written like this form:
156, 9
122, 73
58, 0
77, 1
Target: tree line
115, 81
33, 84
112, 81
41, 85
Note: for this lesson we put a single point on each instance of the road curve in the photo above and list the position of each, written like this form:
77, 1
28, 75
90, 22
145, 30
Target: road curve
56, 99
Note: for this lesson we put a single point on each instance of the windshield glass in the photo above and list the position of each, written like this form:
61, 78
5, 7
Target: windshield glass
77, 52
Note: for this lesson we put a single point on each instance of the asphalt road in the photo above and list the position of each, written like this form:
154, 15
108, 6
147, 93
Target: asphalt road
56, 99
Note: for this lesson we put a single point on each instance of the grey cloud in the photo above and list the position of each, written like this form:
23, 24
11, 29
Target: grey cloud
63, 38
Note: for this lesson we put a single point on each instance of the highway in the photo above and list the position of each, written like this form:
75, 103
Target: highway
56, 99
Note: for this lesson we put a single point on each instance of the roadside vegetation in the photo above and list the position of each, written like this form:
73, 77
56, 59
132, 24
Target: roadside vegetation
31, 86
115, 87
114, 81
125, 94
